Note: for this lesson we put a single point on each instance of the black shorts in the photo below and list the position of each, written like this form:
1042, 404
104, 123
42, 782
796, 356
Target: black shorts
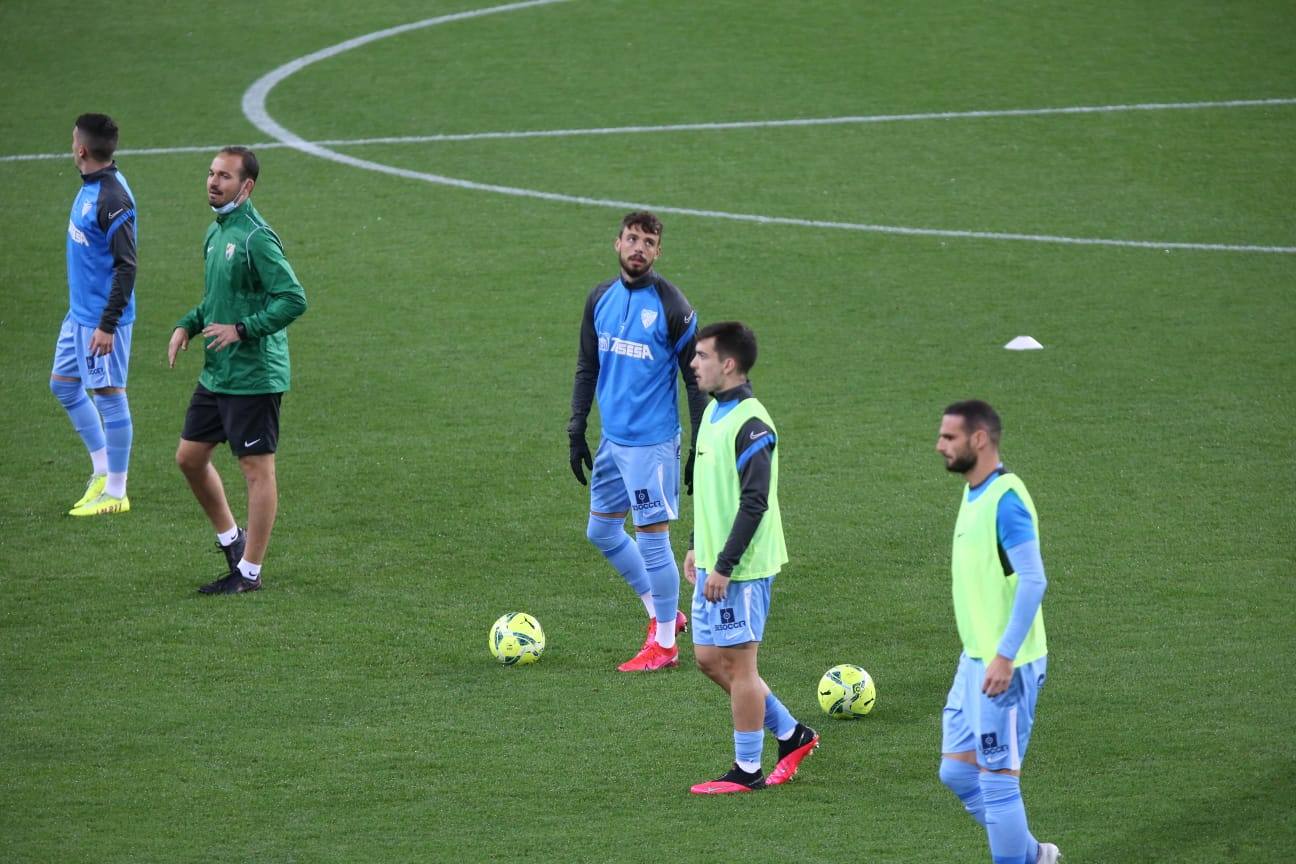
249, 423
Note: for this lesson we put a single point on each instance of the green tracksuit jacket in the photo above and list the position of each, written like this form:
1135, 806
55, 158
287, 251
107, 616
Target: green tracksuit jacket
248, 281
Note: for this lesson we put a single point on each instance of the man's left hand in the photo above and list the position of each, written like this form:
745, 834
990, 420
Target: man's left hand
101, 343
998, 676
221, 336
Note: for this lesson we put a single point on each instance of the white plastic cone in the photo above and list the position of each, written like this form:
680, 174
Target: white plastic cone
1024, 343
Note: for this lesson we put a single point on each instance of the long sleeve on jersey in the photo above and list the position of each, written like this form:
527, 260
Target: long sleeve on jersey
1031, 584
697, 400
754, 449
587, 368
280, 283
121, 242
116, 217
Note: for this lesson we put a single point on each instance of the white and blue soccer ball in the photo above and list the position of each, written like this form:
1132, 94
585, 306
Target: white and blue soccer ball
516, 639
846, 691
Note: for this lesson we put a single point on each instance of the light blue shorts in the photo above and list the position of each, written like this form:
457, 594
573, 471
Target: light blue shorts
737, 619
72, 357
999, 729
643, 480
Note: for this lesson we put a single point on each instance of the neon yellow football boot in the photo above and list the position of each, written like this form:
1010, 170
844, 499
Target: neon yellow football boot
94, 488
102, 505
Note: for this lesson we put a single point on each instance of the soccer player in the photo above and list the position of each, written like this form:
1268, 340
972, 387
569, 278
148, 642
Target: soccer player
637, 330
251, 295
93, 348
739, 549
999, 584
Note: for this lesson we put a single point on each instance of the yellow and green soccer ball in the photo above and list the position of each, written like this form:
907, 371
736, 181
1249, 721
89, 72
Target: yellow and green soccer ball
846, 691
516, 639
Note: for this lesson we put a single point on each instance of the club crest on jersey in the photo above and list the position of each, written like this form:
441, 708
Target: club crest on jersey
229, 251
648, 316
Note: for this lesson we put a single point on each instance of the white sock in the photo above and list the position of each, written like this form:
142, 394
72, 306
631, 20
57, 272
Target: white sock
227, 537
99, 459
646, 598
749, 767
116, 485
249, 570
666, 634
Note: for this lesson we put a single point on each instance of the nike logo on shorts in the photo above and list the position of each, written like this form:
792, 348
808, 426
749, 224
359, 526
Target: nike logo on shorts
252, 443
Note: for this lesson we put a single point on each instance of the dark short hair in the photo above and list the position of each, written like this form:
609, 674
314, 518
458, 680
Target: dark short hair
643, 220
732, 339
99, 135
976, 415
251, 167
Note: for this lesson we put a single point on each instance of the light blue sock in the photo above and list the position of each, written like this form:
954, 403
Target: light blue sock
118, 430
747, 749
778, 719
663, 573
81, 411
1005, 815
609, 537
964, 780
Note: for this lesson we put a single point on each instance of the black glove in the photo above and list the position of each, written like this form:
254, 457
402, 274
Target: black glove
688, 470
580, 452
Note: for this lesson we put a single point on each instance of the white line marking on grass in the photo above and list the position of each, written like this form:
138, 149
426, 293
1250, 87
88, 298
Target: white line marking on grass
254, 108
692, 127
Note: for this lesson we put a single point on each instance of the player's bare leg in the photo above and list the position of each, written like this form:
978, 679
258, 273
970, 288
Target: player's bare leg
263, 503
194, 461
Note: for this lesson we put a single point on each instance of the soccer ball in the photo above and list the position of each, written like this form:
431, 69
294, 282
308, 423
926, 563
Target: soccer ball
516, 639
846, 691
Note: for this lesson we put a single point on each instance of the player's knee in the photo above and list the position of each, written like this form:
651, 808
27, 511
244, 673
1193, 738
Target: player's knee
961, 777
953, 774
68, 393
607, 534
190, 459
656, 548
258, 471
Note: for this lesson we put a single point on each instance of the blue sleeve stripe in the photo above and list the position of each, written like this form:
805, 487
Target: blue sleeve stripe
765, 441
688, 334
120, 221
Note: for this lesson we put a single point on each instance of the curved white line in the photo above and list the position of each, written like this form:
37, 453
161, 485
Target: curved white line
691, 127
254, 108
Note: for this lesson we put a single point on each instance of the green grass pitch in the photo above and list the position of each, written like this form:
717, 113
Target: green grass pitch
350, 712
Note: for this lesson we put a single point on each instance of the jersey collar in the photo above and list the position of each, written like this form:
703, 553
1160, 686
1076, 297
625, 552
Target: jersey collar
642, 282
735, 394
94, 176
242, 208
999, 469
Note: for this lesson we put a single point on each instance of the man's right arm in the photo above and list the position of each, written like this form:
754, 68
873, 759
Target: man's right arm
587, 369
192, 321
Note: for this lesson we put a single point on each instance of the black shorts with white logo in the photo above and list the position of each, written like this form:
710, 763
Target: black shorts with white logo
249, 423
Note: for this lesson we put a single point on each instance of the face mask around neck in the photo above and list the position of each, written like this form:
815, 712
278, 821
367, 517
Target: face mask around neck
232, 205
